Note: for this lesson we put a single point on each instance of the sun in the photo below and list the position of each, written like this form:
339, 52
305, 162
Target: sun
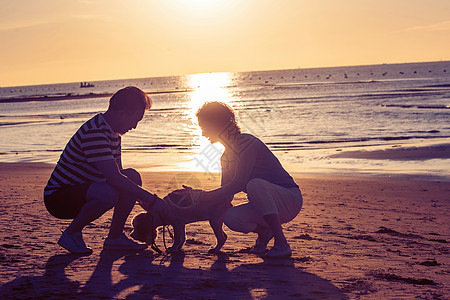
202, 3
199, 8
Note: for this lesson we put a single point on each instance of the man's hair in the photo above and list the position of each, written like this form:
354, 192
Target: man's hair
220, 114
130, 98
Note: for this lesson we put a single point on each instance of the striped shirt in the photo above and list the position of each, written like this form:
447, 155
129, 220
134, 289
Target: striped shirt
94, 141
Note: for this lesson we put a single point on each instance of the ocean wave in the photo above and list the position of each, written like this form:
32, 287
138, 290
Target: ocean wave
58, 115
380, 138
431, 134
24, 119
19, 123
437, 86
157, 147
76, 96
297, 85
322, 83
397, 94
346, 97
34, 151
420, 106
419, 131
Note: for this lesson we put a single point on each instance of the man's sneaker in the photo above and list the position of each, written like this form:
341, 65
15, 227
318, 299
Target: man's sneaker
122, 243
277, 252
74, 243
261, 243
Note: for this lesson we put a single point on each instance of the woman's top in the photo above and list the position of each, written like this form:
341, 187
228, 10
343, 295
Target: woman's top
247, 157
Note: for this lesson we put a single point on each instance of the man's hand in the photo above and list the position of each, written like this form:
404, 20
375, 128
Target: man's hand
155, 204
158, 205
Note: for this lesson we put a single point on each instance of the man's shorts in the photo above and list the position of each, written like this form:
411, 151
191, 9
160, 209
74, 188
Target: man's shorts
67, 202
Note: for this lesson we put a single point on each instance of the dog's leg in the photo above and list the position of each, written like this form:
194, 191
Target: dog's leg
216, 223
150, 231
179, 232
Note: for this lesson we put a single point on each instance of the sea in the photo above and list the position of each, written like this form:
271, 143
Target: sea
303, 115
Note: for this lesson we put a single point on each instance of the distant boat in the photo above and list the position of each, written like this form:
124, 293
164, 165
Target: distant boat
86, 85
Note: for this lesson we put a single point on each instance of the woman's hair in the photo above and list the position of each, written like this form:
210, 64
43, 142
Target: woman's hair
220, 114
130, 98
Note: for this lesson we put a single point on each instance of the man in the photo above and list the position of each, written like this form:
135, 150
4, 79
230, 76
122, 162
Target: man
88, 179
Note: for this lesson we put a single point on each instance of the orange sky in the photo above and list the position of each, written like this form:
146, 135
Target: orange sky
63, 41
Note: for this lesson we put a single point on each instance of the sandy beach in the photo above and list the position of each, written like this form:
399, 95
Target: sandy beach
356, 237
353, 100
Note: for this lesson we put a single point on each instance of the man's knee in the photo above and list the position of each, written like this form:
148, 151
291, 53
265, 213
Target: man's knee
133, 175
104, 194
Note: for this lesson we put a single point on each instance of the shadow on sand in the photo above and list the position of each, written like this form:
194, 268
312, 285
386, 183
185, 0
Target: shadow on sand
143, 275
53, 284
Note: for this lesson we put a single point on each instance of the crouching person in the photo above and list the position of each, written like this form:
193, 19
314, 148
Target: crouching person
89, 180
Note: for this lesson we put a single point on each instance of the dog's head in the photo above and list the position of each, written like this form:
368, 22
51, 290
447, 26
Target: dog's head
144, 227
145, 224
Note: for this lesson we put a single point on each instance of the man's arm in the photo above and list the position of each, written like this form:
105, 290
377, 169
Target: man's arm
110, 170
119, 162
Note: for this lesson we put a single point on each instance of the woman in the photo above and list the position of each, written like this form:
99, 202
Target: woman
249, 166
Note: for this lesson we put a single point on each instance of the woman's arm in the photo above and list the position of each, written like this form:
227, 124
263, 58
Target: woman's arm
232, 184
227, 168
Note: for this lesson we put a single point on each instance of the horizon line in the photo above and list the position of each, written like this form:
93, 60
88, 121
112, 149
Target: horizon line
234, 72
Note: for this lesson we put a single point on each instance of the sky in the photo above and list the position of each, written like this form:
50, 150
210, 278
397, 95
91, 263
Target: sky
56, 41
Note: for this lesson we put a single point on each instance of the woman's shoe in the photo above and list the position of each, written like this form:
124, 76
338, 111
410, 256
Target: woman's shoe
261, 243
258, 249
277, 252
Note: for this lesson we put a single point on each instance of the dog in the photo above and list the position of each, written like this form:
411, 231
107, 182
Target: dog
182, 207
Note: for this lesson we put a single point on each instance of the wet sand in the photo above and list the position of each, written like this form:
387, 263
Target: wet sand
356, 237
405, 152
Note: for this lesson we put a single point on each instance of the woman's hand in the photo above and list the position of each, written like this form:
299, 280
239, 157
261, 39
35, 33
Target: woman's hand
186, 187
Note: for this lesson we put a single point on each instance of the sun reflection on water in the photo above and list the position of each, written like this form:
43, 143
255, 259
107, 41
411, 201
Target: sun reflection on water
209, 87
206, 87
